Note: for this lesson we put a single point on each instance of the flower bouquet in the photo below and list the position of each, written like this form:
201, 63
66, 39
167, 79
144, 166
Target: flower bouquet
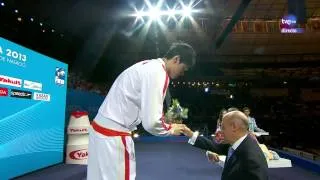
176, 113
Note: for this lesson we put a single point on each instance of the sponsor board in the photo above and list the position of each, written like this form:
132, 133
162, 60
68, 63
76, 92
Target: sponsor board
20, 94
32, 85
10, 81
3, 92
41, 96
60, 76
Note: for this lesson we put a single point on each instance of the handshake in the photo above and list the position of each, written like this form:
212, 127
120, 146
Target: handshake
177, 129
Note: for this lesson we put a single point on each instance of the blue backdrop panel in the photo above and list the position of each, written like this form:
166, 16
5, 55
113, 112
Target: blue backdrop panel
32, 113
78, 100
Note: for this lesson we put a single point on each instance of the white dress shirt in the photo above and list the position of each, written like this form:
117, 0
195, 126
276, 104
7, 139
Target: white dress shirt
236, 144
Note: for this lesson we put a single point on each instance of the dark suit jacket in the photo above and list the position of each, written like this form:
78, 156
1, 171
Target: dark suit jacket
246, 163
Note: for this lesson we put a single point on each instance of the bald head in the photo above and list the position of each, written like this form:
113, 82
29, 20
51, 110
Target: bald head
234, 126
238, 118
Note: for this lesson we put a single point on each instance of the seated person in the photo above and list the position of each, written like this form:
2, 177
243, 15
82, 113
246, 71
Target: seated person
253, 127
218, 135
221, 114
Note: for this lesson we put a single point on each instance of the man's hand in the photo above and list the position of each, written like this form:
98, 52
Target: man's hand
177, 129
212, 157
187, 132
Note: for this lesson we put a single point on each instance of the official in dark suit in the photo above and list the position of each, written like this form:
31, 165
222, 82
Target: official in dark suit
245, 160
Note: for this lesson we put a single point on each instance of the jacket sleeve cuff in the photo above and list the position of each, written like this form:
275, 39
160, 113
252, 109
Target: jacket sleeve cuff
194, 137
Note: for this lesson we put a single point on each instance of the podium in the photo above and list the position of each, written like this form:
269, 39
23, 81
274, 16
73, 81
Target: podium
78, 138
281, 163
258, 134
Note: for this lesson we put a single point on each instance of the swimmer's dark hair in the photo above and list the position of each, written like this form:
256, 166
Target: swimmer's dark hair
185, 51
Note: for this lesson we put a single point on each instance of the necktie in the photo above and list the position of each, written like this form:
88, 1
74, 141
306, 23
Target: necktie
230, 152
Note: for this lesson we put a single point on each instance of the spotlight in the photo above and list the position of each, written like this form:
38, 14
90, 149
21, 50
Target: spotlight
31, 19
19, 19
187, 11
154, 13
52, 30
172, 13
135, 135
2, 4
16, 11
139, 15
40, 24
206, 89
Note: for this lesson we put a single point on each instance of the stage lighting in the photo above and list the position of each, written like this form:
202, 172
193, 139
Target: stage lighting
154, 13
16, 11
135, 135
31, 19
40, 24
187, 11
138, 15
206, 89
171, 12
2, 4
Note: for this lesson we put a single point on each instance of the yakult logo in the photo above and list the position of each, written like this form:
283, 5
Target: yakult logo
78, 130
79, 154
10, 81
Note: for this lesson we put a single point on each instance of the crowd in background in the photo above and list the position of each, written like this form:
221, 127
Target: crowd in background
77, 81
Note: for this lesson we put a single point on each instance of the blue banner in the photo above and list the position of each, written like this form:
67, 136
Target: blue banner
78, 100
32, 114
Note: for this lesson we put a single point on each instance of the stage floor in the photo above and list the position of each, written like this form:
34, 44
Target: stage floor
170, 161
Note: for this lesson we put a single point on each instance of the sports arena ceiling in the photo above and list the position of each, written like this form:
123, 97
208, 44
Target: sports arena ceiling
241, 50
